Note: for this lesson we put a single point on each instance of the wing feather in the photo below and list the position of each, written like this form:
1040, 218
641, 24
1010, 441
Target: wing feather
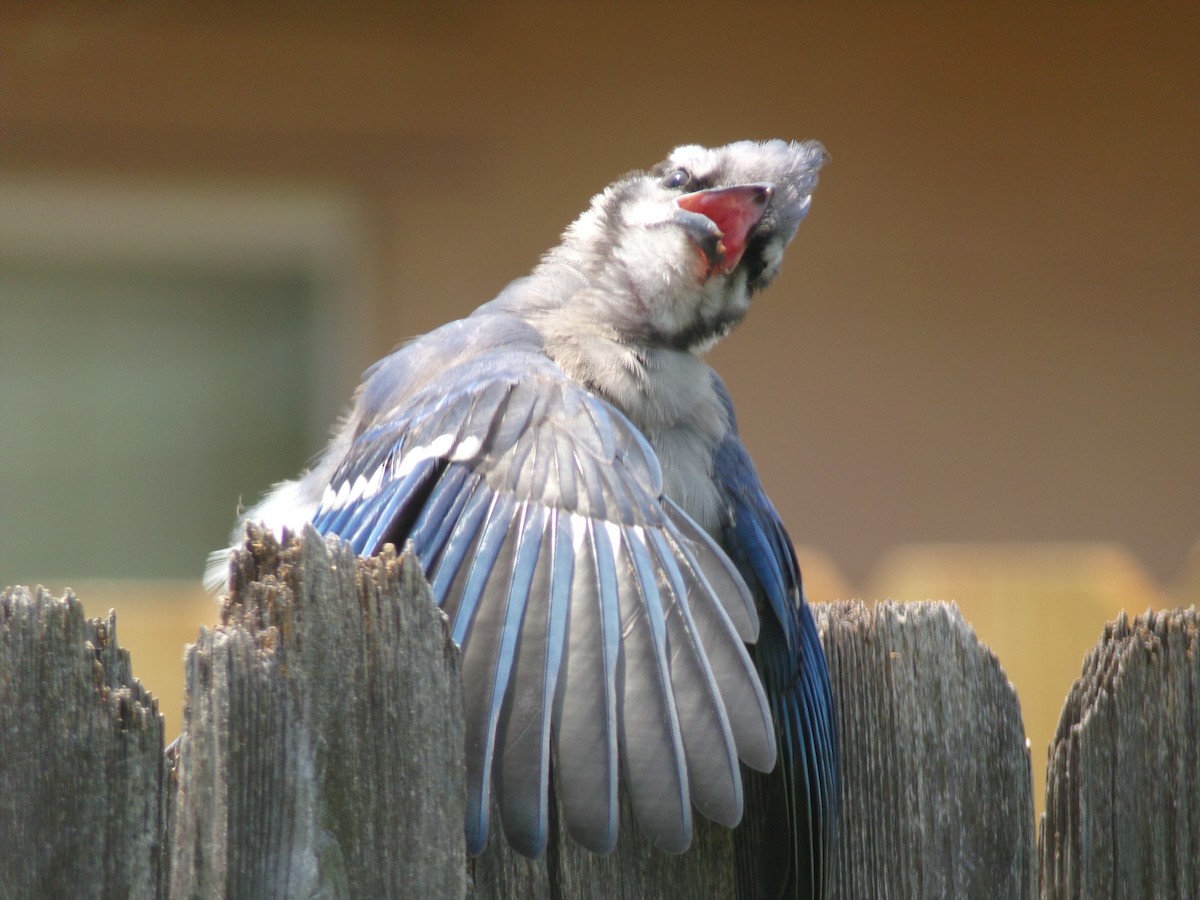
714, 782
460, 546
522, 762
799, 799
487, 653
441, 512
584, 725
496, 531
714, 567
733, 670
599, 625
652, 753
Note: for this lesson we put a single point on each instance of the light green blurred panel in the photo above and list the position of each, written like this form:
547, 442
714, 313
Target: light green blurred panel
117, 387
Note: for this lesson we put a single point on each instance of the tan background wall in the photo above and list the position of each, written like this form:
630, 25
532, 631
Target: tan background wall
987, 331
988, 328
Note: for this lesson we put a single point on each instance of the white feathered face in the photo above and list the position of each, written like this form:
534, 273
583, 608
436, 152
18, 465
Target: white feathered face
677, 255
680, 249
789, 167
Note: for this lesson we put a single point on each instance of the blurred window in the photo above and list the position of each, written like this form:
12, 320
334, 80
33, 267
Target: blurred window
140, 332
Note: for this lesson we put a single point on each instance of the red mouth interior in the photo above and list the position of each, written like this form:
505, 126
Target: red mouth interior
735, 211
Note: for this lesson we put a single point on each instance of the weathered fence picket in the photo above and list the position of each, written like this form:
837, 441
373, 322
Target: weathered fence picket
81, 757
322, 746
1123, 787
937, 786
321, 755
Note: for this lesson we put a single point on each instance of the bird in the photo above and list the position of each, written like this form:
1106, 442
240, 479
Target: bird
568, 469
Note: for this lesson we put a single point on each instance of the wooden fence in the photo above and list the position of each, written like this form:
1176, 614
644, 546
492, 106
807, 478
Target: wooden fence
321, 756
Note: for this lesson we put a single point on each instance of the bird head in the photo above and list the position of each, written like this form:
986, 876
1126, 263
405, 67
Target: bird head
673, 254
789, 169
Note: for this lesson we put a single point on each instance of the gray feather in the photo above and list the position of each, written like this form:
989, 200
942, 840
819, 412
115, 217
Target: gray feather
652, 754
585, 709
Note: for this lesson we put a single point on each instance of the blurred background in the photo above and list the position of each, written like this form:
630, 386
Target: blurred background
977, 379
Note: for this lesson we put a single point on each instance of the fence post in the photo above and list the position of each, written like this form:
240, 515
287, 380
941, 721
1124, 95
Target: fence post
322, 754
81, 766
937, 791
1123, 784
322, 745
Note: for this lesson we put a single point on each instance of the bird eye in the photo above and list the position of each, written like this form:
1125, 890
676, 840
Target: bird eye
677, 178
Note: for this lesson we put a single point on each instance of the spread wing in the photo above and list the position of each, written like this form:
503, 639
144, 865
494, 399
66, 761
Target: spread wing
593, 616
797, 802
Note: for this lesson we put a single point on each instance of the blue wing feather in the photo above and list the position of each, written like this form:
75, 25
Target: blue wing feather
584, 723
496, 528
367, 534
441, 511
566, 470
489, 621
527, 535
523, 738
787, 851
560, 603
758, 555
459, 544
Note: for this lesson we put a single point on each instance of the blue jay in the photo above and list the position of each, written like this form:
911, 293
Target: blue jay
568, 470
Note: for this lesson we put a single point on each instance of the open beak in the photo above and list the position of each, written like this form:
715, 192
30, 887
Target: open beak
720, 221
